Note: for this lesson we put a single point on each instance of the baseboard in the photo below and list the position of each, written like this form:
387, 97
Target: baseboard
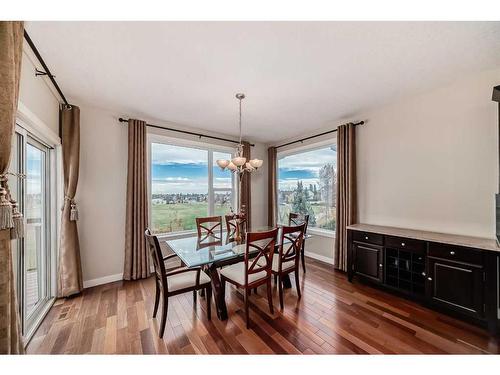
102, 280
321, 258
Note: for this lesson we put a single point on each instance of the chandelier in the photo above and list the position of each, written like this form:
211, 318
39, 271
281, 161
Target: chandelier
239, 163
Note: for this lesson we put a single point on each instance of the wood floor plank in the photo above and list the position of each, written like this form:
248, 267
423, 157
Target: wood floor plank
332, 317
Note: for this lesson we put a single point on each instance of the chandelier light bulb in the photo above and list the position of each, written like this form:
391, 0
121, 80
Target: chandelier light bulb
239, 161
256, 163
223, 163
231, 166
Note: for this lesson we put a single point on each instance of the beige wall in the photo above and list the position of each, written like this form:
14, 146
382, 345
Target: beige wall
36, 93
101, 193
430, 162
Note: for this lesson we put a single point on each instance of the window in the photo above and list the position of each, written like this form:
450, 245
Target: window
34, 254
307, 184
184, 187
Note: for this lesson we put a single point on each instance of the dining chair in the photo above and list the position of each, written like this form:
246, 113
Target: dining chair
255, 270
176, 281
287, 260
209, 228
297, 219
235, 223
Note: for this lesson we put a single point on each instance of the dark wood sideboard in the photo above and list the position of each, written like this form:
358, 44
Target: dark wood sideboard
457, 275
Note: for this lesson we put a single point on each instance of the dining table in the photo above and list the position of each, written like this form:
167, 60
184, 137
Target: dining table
215, 251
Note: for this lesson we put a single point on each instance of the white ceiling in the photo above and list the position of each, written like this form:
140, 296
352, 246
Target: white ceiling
297, 76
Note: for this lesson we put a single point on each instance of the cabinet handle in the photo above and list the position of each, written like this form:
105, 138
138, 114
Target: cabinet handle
429, 278
423, 273
380, 265
452, 253
366, 237
402, 244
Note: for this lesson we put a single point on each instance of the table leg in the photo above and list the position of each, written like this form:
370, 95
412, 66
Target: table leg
286, 281
220, 303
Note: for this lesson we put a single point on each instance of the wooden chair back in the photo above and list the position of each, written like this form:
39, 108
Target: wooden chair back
209, 228
291, 250
235, 222
156, 254
297, 219
259, 252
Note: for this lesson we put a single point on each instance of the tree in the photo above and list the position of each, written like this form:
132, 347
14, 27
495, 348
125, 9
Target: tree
301, 204
328, 184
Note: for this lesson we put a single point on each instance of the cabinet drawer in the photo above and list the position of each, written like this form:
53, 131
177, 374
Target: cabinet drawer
405, 244
373, 238
461, 254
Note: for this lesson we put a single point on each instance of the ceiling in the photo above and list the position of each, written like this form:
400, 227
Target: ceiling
298, 76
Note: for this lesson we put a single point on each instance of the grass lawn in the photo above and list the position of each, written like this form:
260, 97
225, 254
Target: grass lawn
181, 216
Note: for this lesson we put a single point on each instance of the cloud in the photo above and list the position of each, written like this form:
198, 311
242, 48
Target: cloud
310, 160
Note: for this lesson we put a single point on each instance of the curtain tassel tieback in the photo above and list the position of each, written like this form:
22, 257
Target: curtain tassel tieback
6, 221
18, 230
73, 213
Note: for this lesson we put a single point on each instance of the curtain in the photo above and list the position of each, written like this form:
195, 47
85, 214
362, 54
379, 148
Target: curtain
346, 192
11, 46
272, 191
70, 267
245, 186
136, 254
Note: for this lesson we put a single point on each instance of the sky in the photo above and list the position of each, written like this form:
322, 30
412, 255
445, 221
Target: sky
178, 169
304, 166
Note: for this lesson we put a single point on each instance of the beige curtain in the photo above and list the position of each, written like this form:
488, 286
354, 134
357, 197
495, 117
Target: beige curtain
272, 190
11, 44
136, 254
246, 185
346, 192
70, 267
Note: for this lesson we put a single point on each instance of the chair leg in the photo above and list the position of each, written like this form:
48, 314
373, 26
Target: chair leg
297, 281
208, 295
164, 312
280, 290
270, 296
255, 290
157, 299
246, 308
194, 296
303, 258
276, 279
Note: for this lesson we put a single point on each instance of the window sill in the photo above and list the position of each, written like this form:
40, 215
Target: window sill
321, 232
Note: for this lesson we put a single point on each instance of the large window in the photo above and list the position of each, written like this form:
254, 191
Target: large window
187, 183
307, 184
34, 254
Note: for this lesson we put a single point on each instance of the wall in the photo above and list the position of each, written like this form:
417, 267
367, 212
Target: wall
427, 162
101, 192
36, 93
430, 162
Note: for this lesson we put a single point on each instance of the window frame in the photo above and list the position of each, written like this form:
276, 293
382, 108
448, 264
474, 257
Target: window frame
30, 130
295, 150
210, 148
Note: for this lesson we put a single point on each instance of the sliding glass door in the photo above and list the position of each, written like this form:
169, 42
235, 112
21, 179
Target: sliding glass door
31, 158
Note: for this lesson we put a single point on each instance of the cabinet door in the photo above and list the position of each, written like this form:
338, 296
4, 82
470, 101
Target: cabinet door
456, 286
368, 261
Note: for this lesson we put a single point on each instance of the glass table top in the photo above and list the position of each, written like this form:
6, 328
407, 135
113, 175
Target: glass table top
211, 249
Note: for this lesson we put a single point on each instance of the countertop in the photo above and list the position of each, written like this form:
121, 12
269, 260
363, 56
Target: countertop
451, 239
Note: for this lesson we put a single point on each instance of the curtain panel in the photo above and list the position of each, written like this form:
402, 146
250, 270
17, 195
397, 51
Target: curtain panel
136, 254
11, 47
246, 182
70, 280
346, 192
272, 188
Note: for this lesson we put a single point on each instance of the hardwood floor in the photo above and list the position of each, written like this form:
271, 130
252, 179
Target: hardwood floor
332, 317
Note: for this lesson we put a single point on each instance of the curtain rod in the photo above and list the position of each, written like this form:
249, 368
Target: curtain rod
315, 136
188, 132
46, 71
